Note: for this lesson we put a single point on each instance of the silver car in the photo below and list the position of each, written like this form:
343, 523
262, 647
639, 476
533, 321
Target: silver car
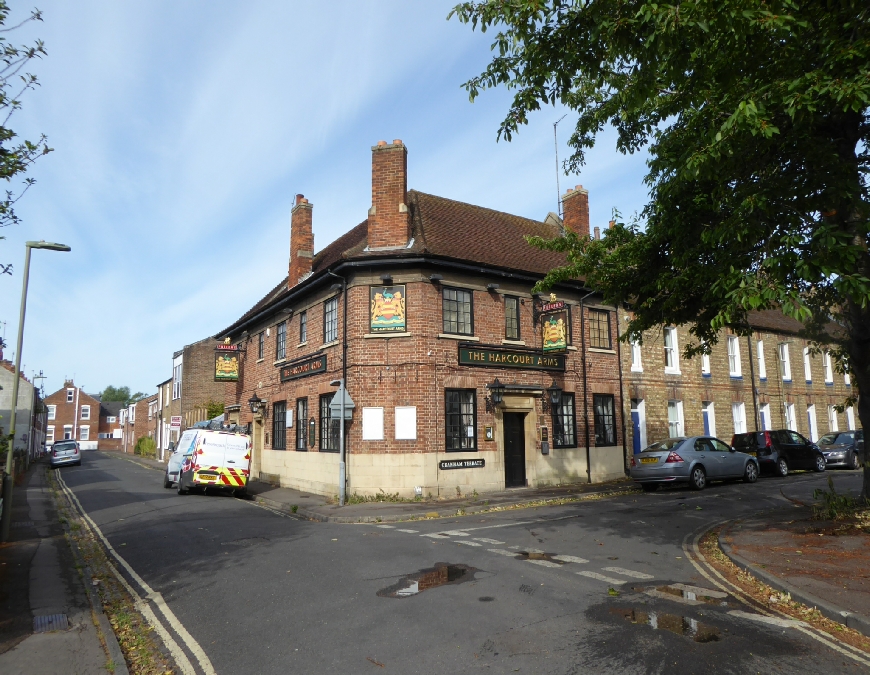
694, 460
65, 452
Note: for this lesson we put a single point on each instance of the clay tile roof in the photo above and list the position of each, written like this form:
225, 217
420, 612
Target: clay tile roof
773, 320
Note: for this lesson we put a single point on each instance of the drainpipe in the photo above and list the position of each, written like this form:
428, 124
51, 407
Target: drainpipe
76, 417
585, 393
342, 441
752, 375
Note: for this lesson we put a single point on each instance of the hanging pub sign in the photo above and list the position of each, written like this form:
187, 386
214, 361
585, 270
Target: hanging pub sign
554, 332
303, 368
226, 363
387, 309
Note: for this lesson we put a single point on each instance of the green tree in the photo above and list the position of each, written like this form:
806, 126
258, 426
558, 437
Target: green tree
755, 115
121, 394
16, 155
213, 408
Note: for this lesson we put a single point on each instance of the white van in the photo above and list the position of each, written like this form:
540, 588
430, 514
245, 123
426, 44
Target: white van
205, 458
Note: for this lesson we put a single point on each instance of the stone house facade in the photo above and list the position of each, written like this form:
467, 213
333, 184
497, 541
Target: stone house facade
426, 310
767, 380
30, 414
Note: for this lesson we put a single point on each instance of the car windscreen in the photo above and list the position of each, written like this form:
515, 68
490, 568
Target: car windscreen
835, 439
64, 447
664, 446
752, 441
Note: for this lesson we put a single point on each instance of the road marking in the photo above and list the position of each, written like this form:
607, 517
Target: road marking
468, 543
628, 573
387, 527
772, 620
697, 590
600, 577
409, 531
436, 535
488, 541
543, 563
150, 594
455, 533
570, 559
501, 551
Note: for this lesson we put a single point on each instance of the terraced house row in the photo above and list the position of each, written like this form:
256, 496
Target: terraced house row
461, 378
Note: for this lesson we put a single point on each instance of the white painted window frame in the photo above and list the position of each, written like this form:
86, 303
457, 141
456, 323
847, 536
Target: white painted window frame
672, 351
734, 366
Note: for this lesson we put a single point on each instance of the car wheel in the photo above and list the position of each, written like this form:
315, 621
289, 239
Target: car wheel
782, 467
750, 475
699, 478
181, 489
820, 463
167, 482
854, 462
649, 487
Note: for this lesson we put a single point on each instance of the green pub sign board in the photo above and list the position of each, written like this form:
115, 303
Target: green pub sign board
506, 358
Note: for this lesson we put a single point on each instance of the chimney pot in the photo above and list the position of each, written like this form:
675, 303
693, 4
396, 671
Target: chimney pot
382, 143
570, 190
612, 223
597, 232
397, 141
579, 187
303, 201
299, 198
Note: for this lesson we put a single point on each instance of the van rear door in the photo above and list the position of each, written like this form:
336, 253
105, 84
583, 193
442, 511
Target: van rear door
238, 458
210, 460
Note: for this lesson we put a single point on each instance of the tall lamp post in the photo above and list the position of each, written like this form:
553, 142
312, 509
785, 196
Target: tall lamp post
6, 521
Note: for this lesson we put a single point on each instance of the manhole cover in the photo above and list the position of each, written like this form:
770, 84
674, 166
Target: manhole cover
44, 624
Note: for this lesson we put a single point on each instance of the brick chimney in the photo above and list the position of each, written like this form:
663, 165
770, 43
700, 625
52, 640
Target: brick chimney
575, 211
301, 241
388, 217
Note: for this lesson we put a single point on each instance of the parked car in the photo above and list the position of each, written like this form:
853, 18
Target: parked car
694, 460
65, 452
207, 458
843, 448
781, 450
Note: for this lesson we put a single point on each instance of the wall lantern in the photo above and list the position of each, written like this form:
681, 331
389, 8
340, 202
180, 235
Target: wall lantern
554, 396
256, 403
496, 395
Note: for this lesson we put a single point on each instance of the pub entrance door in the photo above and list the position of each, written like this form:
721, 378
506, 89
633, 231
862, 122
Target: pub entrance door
514, 449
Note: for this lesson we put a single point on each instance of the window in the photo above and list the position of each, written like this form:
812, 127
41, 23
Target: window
808, 371
52, 411
70, 395
734, 366
708, 413
281, 341
111, 419
460, 415
738, 413
762, 368
301, 423
675, 418
511, 318
784, 362
67, 432
279, 425
847, 379
705, 365
829, 369
790, 419
373, 424
850, 418
49, 434
672, 363
176, 382
261, 345
812, 425
456, 311
636, 358
329, 429
86, 412
605, 426
766, 421
84, 433
303, 327
564, 423
330, 320
599, 329
833, 422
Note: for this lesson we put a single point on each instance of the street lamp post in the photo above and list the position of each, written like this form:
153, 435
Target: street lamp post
6, 520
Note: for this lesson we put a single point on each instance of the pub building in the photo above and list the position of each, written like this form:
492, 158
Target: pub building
460, 377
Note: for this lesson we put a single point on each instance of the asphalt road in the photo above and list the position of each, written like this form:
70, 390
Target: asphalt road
526, 591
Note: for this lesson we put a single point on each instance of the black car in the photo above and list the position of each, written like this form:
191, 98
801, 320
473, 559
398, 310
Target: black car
843, 448
781, 450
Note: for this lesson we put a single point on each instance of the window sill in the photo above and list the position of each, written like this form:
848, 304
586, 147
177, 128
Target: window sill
809, 381
735, 377
672, 372
369, 336
762, 379
279, 362
571, 348
707, 375
829, 384
302, 344
329, 344
516, 343
787, 381
260, 360
454, 336
600, 350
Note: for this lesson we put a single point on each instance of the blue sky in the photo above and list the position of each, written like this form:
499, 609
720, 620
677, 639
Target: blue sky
182, 130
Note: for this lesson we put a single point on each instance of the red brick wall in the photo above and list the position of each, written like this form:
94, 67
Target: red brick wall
575, 210
198, 385
388, 219
301, 241
70, 413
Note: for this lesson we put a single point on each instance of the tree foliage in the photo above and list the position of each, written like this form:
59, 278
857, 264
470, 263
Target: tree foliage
16, 155
755, 115
121, 394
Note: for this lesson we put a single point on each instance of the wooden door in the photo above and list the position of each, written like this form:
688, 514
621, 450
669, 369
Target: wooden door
514, 450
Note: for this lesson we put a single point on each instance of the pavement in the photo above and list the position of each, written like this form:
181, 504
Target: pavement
324, 510
819, 563
49, 624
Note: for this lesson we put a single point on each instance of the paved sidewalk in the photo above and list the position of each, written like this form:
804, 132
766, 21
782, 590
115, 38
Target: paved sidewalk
40, 578
318, 507
816, 563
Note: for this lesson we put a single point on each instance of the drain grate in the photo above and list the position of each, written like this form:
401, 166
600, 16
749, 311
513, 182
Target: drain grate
44, 624
22, 523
